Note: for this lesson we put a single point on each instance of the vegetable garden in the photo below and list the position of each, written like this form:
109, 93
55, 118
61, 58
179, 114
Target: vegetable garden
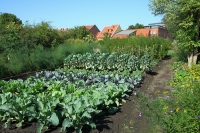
72, 97
90, 84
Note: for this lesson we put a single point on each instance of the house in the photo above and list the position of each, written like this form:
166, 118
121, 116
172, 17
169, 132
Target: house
154, 29
144, 32
124, 34
158, 29
110, 30
92, 29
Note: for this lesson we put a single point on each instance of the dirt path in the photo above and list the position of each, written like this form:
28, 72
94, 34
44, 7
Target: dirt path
127, 120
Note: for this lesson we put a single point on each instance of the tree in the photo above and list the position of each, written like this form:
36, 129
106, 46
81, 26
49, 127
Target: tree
6, 18
78, 32
10, 25
131, 27
185, 16
136, 26
170, 25
40, 34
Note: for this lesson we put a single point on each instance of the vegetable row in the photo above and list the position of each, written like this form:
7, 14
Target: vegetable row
107, 61
63, 99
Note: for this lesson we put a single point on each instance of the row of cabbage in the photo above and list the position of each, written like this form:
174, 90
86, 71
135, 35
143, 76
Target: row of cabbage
107, 61
66, 99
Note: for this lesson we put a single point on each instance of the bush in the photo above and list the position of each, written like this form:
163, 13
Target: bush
180, 112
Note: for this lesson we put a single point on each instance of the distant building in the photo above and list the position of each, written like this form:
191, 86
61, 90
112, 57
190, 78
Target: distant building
62, 29
124, 34
115, 31
92, 29
144, 32
111, 30
158, 29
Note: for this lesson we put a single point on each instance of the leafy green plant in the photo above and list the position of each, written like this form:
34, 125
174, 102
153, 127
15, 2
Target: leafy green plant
179, 111
106, 61
64, 98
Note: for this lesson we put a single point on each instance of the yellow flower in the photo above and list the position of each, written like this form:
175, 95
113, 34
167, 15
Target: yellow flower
165, 107
177, 109
165, 92
157, 92
7, 26
185, 110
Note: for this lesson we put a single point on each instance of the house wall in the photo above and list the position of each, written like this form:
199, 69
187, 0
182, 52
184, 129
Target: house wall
120, 36
94, 30
144, 32
160, 32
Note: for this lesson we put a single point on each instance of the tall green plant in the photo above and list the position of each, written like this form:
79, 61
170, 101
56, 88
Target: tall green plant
185, 16
156, 47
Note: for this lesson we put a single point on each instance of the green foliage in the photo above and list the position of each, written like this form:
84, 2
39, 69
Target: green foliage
78, 32
106, 61
156, 47
6, 18
59, 98
36, 58
171, 26
16, 36
88, 38
180, 111
136, 26
41, 34
106, 36
10, 38
183, 16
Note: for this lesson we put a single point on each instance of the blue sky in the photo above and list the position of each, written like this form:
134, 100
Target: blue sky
70, 13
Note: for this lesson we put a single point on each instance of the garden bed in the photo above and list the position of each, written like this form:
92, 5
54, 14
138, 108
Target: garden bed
127, 119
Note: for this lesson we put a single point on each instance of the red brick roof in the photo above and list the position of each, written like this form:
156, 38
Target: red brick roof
89, 26
108, 29
99, 35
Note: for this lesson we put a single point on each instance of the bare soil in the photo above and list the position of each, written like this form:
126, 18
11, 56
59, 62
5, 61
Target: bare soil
127, 119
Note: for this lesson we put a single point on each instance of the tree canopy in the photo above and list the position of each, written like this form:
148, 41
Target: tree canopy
6, 18
78, 32
136, 26
184, 17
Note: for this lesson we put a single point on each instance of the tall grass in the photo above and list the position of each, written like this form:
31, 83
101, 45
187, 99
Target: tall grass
156, 47
27, 60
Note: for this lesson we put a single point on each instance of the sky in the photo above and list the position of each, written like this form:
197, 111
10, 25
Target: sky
71, 13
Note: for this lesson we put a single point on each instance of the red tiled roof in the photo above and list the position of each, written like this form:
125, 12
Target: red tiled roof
144, 32
89, 26
108, 29
99, 35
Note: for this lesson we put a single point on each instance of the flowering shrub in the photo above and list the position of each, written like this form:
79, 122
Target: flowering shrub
10, 40
179, 112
